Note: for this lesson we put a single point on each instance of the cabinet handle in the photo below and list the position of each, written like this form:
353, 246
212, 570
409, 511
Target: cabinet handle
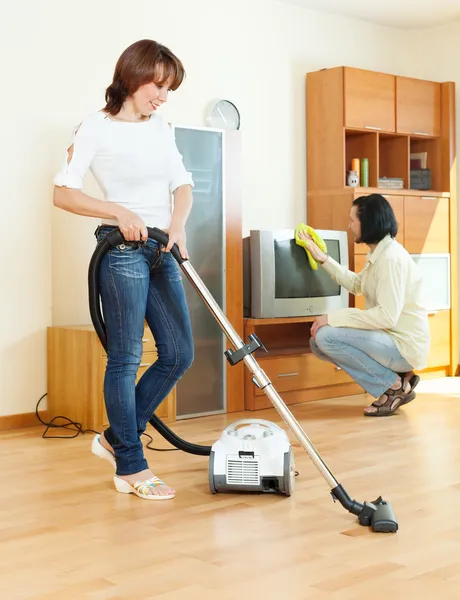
420, 133
145, 340
145, 364
373, 128
338, 369
428, 197
287, 374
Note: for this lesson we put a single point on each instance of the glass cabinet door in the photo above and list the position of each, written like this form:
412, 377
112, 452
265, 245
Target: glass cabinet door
202, 389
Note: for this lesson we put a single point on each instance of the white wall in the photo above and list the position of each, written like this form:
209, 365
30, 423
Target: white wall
58, 57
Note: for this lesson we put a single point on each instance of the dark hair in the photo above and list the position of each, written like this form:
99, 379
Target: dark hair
377, 218
143, 62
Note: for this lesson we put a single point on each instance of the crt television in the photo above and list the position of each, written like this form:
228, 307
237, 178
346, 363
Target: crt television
278, 280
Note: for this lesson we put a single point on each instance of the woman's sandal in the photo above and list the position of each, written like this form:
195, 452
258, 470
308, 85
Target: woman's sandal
98, 449
141, 488
395, 398
413, 382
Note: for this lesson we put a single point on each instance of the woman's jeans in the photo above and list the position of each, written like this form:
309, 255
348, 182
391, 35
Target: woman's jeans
369, 357
136, 284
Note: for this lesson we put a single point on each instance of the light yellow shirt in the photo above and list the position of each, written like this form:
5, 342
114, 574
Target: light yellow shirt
392, 287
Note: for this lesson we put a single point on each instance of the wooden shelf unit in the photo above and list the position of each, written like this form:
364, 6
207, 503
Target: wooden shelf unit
354, 113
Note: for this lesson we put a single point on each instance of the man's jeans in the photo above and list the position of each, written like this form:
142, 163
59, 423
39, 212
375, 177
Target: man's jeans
369, 357
137, 284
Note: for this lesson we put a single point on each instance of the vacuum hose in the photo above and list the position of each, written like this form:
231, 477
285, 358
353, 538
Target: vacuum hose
112, 239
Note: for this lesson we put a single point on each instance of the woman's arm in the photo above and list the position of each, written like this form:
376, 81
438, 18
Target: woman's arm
390, 296
78, 203
183, 201
349, 280
344, 277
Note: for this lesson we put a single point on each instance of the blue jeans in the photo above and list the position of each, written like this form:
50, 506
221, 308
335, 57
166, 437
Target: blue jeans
369, 357
136, 284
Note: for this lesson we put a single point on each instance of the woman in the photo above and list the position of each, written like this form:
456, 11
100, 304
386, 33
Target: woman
132, 154
382, 345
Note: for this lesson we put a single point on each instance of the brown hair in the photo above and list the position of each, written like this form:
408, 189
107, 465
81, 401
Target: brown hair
143, 62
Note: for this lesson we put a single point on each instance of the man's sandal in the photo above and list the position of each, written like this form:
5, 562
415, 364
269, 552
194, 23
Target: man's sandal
141, 488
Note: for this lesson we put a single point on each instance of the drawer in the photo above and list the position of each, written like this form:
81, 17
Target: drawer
439, 355
300, 372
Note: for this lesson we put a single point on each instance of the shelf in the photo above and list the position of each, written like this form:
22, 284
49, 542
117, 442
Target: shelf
280, 321
260, 355
362, 144
394, 157
360, 191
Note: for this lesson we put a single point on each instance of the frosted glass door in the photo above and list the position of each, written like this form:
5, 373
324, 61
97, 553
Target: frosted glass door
202, 389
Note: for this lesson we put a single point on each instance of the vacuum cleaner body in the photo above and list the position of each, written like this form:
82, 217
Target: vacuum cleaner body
252, 455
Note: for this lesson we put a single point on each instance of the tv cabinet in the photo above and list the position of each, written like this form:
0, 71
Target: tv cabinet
295, 372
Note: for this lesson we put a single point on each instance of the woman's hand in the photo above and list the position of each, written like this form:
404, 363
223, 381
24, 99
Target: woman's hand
315, 251
131, 226
177, 236
318, 323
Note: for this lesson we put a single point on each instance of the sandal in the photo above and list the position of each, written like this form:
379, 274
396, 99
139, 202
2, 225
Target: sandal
395, 399
98, 449
413, 382
141, 488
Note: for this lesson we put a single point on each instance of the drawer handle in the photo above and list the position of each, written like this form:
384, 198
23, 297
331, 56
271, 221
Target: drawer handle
428, 197
287, 374
146, 340
372, 127
420, 133
338, 369
145, 364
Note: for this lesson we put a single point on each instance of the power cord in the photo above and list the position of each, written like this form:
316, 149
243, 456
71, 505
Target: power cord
78, 428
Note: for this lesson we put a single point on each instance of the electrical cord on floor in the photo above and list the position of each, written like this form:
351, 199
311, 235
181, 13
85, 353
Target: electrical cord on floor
78, 428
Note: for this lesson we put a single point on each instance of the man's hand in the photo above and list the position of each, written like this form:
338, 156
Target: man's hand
317, 324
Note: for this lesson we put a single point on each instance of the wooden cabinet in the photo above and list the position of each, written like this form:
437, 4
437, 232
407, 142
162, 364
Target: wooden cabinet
426, 224
295, 372
440, 339
348, 116
369, 100
360, 261
418, 107
76, 367
354, 113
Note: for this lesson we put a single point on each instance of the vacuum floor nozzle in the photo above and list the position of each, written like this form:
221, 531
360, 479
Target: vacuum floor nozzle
380, 516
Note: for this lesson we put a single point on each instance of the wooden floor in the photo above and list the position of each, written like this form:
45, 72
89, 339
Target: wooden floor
66, 534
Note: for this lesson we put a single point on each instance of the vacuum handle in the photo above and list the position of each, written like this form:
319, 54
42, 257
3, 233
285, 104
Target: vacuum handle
115, 237
162, 238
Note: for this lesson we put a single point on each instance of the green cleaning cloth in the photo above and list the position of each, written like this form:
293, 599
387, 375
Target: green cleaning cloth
316, 238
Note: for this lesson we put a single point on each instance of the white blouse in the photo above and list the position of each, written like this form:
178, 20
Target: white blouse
136, 165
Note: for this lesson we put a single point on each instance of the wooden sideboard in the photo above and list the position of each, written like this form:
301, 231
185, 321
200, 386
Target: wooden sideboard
76, 368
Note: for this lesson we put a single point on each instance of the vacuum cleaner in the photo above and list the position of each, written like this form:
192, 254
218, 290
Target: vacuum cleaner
247, 456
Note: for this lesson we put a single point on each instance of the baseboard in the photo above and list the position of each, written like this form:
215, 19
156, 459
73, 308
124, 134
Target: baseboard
22, 420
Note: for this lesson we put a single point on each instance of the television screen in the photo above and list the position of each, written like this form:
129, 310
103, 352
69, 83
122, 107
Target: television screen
294, 278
